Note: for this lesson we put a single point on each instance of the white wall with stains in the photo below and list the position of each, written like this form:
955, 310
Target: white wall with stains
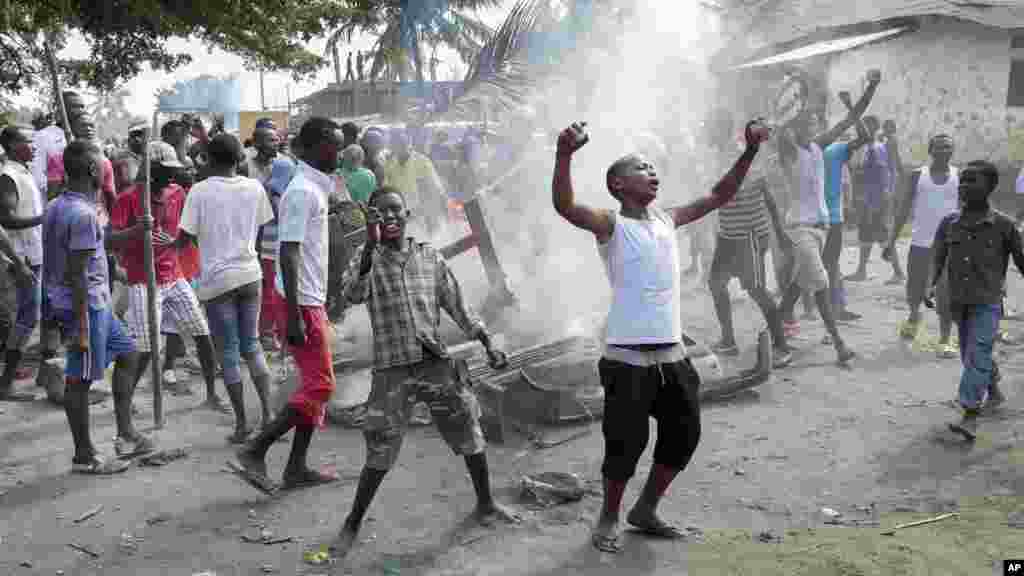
949, 76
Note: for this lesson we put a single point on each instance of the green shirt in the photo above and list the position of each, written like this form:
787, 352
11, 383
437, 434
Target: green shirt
360, 182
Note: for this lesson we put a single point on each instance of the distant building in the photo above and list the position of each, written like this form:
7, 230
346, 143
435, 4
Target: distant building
954, 67
389, 99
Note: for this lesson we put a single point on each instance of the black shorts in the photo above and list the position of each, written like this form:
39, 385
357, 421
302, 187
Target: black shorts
874, 226
743, 259
633, 394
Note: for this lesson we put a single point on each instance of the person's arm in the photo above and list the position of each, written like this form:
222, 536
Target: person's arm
125, 228
905, 207
863, 136
1015, 246
355, 285
724, 191
776, 218
296, 207
449, 297
596, 221
78, 268
874, 77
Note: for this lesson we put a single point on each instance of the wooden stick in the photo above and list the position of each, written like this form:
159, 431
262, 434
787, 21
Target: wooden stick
89, 514
920, 523
83, 550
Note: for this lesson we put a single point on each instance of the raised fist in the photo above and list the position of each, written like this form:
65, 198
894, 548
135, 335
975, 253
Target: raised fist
845, 98
874, 76
757, 132
572, 139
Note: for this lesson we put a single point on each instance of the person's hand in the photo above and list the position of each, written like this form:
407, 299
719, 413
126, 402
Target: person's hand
24, 275
846, 99
372, 217
119, 274
572, 139
757, 132
874, 76
296, 329
496, 358
929, 297
161, 239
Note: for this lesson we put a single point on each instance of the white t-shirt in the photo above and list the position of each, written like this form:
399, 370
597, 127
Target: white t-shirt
810, 177
28, 242
49, 141
1020, 182
225, 214
302, 218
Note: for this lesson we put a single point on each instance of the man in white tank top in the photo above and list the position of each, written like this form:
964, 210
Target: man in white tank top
644, 370
931, 196
21, 210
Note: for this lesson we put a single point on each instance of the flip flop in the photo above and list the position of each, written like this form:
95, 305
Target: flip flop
309, 479
609, 544
257, 481
659, 530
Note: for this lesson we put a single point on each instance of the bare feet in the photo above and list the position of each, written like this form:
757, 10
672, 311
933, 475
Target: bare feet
343, 542
306, 478
844, 355
648, 523
217, 405
250, 463
605, 536
489, 515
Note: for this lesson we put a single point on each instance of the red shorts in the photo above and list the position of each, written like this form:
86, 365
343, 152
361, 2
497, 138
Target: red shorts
316, 369
271, 308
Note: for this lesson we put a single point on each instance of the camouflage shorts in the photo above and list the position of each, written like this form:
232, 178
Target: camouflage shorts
395, 391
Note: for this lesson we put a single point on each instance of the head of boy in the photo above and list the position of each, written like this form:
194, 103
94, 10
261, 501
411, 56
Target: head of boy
633, 181
940, 148
872, 124
225, 151
390, 204
977, 182
82, 167
319, 143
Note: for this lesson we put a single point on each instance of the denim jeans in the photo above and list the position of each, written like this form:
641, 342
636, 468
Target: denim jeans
978, 325
234, 321
29, 300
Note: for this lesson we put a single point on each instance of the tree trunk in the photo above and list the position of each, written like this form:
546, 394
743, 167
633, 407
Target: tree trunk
337, 64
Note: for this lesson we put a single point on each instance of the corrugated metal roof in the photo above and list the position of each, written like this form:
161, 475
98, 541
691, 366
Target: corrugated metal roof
779, 21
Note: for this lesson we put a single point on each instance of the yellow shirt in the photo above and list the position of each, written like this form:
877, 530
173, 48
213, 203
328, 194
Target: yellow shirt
409, 176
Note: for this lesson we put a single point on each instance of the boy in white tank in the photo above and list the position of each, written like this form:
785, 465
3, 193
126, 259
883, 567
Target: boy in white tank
644, 370
931, 196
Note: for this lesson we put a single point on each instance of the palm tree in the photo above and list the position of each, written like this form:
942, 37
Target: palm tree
405, 30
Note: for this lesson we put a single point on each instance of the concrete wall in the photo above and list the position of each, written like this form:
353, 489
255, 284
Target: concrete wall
950, 76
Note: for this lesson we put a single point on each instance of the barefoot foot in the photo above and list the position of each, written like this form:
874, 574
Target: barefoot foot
605, 537
343, 543
490, 514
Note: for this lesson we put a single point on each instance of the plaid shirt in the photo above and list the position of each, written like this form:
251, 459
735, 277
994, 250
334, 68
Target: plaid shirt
405, 292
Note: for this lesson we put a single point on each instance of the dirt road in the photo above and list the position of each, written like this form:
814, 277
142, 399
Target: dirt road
867, 442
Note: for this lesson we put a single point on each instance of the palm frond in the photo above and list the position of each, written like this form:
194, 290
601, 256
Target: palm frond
500, 73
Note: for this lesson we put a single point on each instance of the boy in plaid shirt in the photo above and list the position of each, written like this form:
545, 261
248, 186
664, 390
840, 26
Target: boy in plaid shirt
405, 285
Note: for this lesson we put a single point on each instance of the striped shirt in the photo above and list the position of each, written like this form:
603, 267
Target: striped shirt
746, 212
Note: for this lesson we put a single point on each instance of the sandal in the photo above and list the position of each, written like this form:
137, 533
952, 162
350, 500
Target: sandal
253, 478
307, 479
606, 543
656, 528
99, 467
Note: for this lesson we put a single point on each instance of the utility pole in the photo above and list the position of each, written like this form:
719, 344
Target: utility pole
263, 101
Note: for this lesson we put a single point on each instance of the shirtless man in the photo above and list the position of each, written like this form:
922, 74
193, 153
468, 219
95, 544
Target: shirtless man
644, 369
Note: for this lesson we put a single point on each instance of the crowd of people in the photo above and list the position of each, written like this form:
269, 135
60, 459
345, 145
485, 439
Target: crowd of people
243, 250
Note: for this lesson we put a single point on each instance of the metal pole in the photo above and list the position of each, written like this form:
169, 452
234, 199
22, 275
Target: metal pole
263, 101
151, 288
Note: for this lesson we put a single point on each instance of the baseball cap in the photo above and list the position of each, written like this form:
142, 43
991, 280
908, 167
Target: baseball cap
163, 154
264, 123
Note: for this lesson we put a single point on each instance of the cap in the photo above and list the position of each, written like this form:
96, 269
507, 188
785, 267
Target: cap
264, 123
163, 154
